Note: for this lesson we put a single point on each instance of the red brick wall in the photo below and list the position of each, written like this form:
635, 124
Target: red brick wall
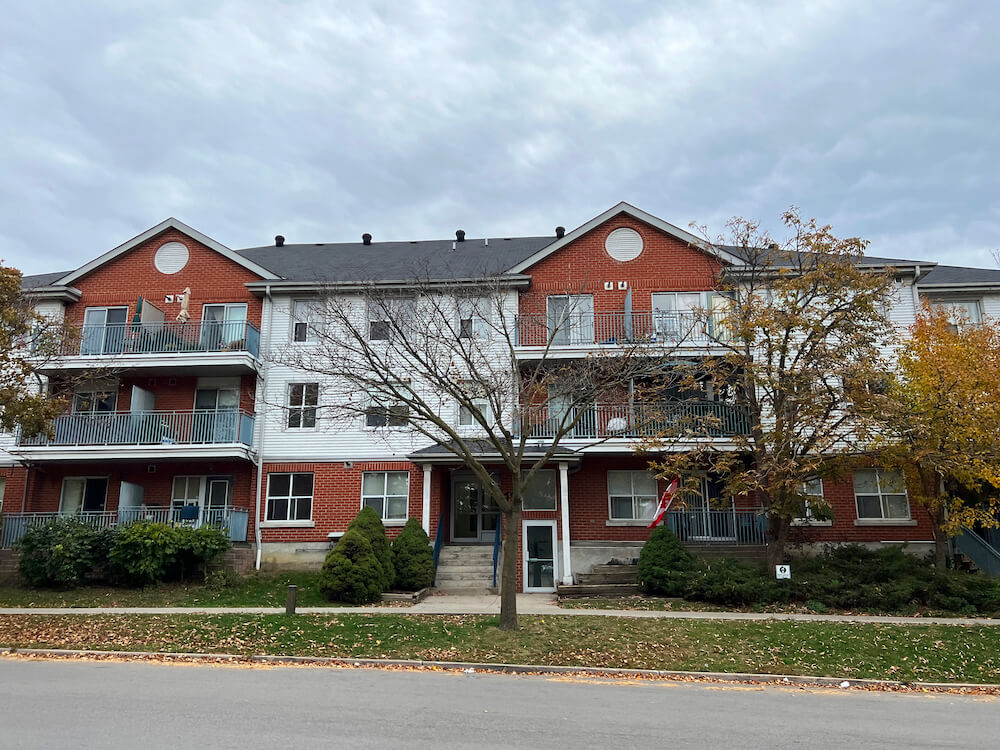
176, 392
337, 497
582, 267
13, 494
211, 277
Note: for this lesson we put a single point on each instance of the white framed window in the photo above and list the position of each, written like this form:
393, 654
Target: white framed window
95, 402
223, 325
186, 490
478, 404
473, 317
289, 496
570, 319
387, 492
881, 494
387, 315
83, 495
306, 318
960, 311
675, 314
631, 495
540, 493
812, 488
302, 403
384, 411
104, 330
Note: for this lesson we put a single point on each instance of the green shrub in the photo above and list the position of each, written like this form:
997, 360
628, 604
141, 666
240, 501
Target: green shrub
369, 525
63, 553
413, 558
197, 548
736, 584
143, 553
351, 572
665, 567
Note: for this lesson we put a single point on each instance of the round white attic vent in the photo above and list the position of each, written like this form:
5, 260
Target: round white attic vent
624, 244
171, 257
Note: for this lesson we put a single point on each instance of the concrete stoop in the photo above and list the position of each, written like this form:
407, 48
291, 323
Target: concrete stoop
465, 570
604, 580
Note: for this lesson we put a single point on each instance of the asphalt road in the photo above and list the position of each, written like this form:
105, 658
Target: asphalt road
79, 704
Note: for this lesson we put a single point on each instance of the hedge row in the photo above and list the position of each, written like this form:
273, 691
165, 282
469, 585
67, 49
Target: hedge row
66, 553
851, 577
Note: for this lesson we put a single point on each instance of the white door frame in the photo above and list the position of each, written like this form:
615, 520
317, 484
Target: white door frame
555, 555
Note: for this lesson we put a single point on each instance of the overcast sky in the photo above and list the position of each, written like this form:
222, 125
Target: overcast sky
323, 120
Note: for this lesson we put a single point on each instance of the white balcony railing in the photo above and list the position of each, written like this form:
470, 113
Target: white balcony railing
195, 427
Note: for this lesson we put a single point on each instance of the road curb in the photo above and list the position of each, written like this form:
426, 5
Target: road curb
800, 681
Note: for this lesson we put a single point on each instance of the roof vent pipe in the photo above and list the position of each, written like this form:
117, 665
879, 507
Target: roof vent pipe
460, 235
366, 239
279, 241
560, 232
773, 246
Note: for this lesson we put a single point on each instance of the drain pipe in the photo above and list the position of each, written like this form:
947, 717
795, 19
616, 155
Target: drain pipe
262, 385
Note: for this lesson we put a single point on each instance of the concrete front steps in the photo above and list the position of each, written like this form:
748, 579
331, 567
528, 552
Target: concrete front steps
465, 570
604, 580
745, 552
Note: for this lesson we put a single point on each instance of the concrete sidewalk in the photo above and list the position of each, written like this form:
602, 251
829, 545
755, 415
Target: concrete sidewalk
527, 604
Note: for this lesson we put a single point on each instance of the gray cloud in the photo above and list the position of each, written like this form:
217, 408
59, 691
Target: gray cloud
323, 120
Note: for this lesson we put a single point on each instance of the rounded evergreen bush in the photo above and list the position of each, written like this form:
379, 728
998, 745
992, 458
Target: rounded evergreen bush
665, 567
62, 553
351, 573
143, 552
369, 525
413, 558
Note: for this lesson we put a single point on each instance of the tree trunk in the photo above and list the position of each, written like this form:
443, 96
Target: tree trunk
777, 536
940, 544
508, 573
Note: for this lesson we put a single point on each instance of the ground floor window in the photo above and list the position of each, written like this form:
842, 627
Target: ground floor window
388, 492
881, 494
289, 497
83, 494
813, 490
540, 492
631, 495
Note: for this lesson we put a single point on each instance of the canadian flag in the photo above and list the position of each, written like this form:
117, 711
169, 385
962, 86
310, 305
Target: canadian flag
664, 506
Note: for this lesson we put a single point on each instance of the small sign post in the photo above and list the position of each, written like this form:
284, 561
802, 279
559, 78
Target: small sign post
783, 572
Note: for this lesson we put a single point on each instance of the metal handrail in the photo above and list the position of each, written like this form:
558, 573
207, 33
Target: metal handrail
233, 520
636, 420
109, 339
496, 551
619, 327
982, 553
724, 526
438, 541
188, 427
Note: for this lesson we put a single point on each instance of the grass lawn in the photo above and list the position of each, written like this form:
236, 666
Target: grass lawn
262, 590
910, 652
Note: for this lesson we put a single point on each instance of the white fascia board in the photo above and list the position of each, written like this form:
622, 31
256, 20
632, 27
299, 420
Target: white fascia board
170, 223
43, 453
635, 213
64, 293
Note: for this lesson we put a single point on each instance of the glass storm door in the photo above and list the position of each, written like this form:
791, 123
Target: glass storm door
539, 556
473, 518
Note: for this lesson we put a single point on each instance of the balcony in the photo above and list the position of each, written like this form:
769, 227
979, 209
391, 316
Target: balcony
618, 328
143, 434
637, 421
223, 346
234, 521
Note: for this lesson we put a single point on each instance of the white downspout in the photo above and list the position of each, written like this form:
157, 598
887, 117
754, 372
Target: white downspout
261, 387
425, 511
916, 292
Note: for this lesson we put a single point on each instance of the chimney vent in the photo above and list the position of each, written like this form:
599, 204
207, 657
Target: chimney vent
366, 239
460, 235
279, 241
560, 232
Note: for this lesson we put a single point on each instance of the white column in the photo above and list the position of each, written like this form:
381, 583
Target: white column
567, 567
425, 520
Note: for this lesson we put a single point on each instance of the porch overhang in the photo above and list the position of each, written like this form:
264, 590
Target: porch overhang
125, 453
487, 454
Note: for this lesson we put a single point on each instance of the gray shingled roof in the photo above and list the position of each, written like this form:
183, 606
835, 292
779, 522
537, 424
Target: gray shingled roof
961, 275
383, 261
41, 279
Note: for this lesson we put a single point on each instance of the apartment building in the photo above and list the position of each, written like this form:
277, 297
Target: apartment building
191, 417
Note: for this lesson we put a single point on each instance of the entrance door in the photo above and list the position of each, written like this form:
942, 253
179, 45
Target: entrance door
708, 521
216, 415
540, 572
216, 500
473, 517
104, 330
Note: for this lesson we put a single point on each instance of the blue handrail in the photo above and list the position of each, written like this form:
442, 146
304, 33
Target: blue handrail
438, 539
496, 552
977, 549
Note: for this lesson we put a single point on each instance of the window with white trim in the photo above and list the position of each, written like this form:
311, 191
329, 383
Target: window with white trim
289, 497
302, 401
387, 492
960, 311
473, 317
631, 495
478, 404
386, 315
94, 402
881, 494
540, 492
306, 317
812, 488
83, 495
